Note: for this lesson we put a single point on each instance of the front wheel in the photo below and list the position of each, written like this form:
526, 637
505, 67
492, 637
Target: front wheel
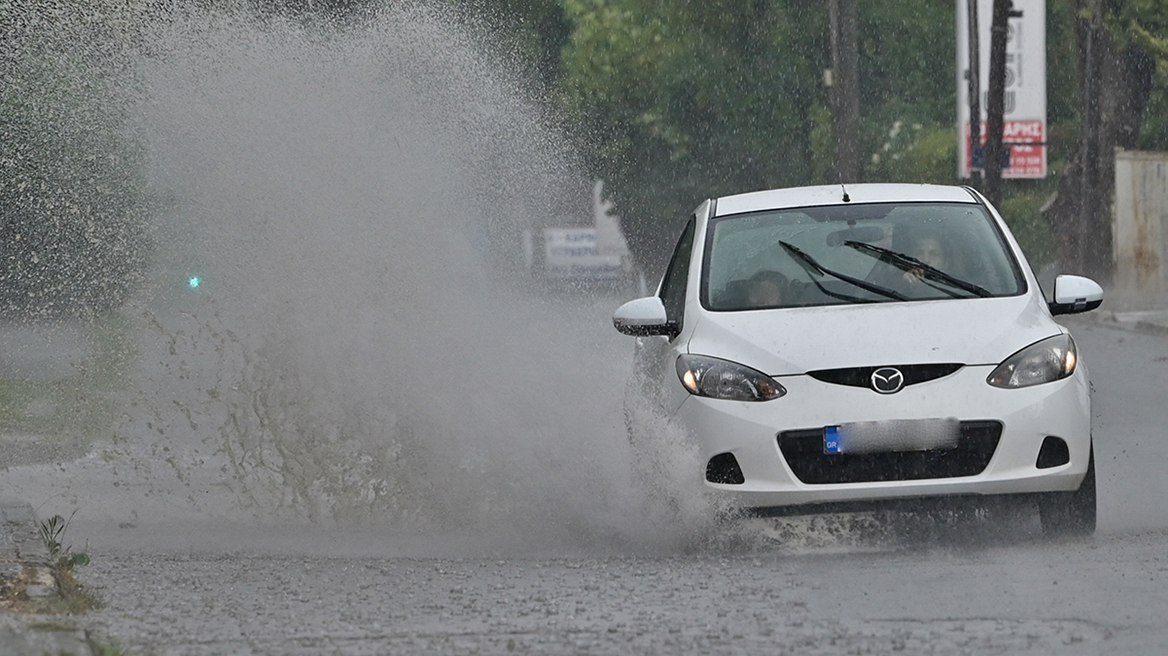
1071, 514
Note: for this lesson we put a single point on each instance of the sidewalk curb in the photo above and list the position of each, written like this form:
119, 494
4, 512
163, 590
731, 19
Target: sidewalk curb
25, 565
20, 639
24, 544
1151, 322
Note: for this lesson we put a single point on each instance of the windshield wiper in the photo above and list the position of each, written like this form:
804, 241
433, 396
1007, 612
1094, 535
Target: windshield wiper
809, 263
907, 263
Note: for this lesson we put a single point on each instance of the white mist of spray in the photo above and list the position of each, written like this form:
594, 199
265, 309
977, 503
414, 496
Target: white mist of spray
351, 355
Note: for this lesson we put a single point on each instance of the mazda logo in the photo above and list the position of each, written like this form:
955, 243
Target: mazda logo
887, 380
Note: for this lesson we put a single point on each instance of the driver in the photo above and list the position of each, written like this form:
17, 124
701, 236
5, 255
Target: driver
765, 289
929, 250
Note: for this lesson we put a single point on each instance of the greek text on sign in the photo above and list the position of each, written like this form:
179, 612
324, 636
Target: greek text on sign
1025, 161
1025, 107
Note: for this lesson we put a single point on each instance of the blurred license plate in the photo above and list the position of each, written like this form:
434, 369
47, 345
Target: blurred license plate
892, 435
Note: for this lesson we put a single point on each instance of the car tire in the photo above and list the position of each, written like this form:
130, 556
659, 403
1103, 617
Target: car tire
1071, 514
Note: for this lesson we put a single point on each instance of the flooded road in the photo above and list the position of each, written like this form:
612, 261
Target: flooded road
349, 440
564, 584
1085, 598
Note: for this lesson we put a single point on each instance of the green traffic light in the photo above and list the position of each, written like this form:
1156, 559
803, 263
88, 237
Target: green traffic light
194, 282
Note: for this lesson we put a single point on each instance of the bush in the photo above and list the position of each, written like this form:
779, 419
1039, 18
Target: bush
1022, 211
912, 152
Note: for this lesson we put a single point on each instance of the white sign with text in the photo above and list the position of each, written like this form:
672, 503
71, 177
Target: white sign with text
1025, 100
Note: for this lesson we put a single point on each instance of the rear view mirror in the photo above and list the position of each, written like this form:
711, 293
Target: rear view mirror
643, 316
1074, 294
863, 234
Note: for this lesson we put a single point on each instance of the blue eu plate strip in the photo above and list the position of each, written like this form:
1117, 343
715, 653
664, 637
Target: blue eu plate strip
831, 439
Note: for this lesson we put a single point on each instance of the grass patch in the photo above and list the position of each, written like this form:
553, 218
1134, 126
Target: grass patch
105, 649
115, 350
73, 598
58, 590
58, 418
52, 408
52, 625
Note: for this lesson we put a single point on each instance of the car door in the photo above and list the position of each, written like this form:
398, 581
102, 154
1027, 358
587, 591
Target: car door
655, 356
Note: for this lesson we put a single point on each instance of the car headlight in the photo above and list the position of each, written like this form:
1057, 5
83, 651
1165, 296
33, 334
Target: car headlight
722, 379
1042, 362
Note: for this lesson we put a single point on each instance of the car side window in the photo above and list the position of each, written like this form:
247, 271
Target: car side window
674, 284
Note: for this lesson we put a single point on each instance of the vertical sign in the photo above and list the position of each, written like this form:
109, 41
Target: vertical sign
1025, 108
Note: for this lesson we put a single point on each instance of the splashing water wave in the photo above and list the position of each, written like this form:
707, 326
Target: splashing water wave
357, 352
354, 352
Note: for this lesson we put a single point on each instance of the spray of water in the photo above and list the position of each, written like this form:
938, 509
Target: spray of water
333, 332
355, 350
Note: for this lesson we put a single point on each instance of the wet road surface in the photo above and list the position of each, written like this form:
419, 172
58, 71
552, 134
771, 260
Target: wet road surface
989, 586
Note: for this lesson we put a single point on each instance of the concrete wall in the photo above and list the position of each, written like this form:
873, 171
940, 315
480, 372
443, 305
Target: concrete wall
1140, 229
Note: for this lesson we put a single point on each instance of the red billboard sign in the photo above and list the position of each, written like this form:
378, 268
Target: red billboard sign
1025, 160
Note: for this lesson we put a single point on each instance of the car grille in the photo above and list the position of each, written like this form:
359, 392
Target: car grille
862, 376
804, 452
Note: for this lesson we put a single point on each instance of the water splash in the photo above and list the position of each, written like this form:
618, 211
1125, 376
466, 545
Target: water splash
356, 351
351, 200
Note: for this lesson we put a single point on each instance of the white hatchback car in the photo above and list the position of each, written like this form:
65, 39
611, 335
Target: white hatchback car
868, 343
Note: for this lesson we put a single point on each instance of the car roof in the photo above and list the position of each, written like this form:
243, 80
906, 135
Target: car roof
835, 195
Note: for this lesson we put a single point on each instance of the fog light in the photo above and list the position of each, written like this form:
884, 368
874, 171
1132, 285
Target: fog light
1054, 452
723, 469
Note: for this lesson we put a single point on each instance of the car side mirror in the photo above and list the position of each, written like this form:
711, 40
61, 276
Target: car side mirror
643, 316
1074, 294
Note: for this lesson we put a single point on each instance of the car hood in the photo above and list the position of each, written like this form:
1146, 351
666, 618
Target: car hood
797, 340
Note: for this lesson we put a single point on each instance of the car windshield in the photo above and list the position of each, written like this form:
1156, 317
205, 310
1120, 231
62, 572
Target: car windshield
867, 253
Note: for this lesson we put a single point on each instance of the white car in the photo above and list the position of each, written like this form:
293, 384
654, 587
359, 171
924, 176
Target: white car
868, 343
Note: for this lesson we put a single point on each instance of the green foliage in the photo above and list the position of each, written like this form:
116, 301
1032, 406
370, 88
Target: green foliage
1154, 133
67, 413
1022, 211
1145, 23
1061, 62
63, 414
908, 59
531, 32
914, 153
52, 531
105, 649
679, 101
822, 146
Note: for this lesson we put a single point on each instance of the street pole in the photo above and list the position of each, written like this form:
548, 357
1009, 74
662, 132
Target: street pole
995, 99
974, 82
844, 92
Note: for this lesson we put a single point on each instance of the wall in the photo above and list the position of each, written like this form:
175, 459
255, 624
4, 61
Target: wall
1139, 229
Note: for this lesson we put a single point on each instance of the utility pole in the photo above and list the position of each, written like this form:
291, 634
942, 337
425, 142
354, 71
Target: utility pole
844, 89
973, 80
995, 100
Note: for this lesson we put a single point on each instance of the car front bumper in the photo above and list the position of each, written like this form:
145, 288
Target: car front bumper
750, 432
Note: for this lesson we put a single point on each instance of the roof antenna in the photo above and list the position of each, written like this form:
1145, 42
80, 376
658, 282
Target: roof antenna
847, 199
